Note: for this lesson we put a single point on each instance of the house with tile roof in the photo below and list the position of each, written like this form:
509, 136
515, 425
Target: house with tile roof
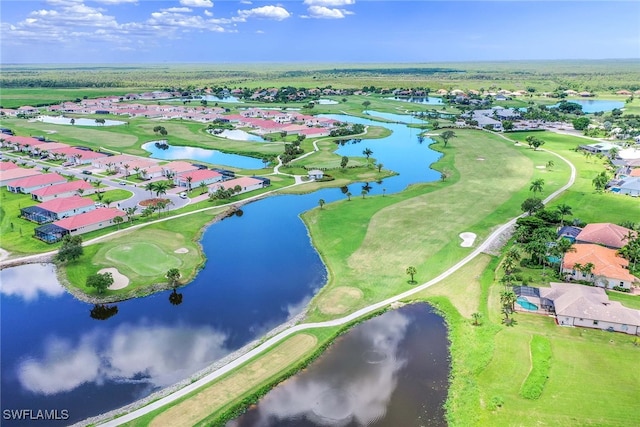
31, 183
56, 209
609, 269
5, 166
62, 190
245, 183
8, 176
79, 224
589, 307
195, 178
606, 234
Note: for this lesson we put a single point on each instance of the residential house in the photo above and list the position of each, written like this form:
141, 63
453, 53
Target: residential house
609, 269
195, 178
5, 166
31, 183
57, 209
172, 169
606, 234
246, 184
589, 307
79, 224
62, 190
11, 175
315, 174
78, 156
156, 171
600, 148
28, 109
628, 186
112, 162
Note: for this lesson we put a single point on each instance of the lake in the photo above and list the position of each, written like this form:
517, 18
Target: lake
594, 105
55, 355
239, 135
214, 157
420, 100
60, 120
391, 370
398, 118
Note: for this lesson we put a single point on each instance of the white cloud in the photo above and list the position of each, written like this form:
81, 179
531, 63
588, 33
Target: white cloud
208, 13
197, 3
162, 355
322, 12
178, 10
116, 1
277, 13
332, 3
29, 281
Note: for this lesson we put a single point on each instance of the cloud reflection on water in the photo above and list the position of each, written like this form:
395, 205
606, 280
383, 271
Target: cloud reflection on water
158, 355
342, 387
29, 283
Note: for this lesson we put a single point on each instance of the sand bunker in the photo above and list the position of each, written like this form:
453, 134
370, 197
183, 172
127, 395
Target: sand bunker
480, 158
3, 254
120, 281
541, 167
467, 239
181, 251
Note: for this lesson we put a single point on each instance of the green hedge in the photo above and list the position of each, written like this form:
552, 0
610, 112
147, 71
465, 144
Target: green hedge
540, 364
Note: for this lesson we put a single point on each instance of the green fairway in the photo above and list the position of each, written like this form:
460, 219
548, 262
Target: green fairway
368, 243
145, 259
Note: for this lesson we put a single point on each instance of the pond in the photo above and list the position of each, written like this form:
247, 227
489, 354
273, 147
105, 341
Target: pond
391, 370
420, 100
214, 98
239, 135
213, 157
594, 105
398, 118
55, 355
326, 102
60, 120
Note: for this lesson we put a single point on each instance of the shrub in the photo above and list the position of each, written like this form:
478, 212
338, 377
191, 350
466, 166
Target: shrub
621, 289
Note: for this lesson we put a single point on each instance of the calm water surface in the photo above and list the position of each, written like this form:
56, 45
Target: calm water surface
390, 371
261, 270
213, 157
595, 105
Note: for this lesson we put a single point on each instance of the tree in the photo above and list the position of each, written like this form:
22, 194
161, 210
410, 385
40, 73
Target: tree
45, 169
130, 212
550, 164
344, 161
189, 179
580, 123
476, 318
137, 171
367, 152
364, 193
160, 188
561, 248
203, 187
508, 299
71, 249
72, 121
100, 281
600, 181
173, 275
265, 161
511, 258
507, 125
445, 174
349, 195
411, 271
379, 166
126, 169
107, 202
150, 187
563, 210
118, 220
536, 186
321, 203
446, 136
366, 104
532, 205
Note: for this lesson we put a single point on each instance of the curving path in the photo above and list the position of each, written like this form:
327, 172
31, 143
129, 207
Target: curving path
335, 322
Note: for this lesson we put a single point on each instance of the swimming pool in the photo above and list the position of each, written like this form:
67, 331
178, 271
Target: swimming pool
524, 303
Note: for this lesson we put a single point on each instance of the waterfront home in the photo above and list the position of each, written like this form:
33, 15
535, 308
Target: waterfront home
56, 209
62, 190
589, 307
111, 162
608, 269
315, 174
195, 178
245, 183
8, 176
606, 234
35, 182
156, 171
130, 167
47, 147
177, 167
78, 156
28, 109
78, 224
629, 186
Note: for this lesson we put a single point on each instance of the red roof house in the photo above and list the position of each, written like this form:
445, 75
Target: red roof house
197, 177
35, 182
62, 190
605, 234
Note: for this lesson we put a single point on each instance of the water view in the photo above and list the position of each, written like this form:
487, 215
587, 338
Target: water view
420, 100
213, 157
594, 105
239, 135
398, 118
61, 120
327, 102
62, 353
390, 371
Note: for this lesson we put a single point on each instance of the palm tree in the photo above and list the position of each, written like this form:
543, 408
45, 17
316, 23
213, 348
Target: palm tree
130, 212
321, 203
367, 152
587, 269
476, 318
203, 187
118, 220
508, 299
137, 171
173, 275
536, 186
380, 166
364, 193
561, 248
550, 164
160, 205
160, 188
563, 209
72, 121
411, 271
126, 169
80, 191
107, 202
150, 187
45, 169
189, 179
349, 195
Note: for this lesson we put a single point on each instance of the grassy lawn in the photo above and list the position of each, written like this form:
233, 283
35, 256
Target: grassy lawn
368, 243
113, 194
582, 196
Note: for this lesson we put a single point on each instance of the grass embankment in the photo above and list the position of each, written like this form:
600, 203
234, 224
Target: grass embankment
540, 365
144, 255
368, 243
18, 97
16, 234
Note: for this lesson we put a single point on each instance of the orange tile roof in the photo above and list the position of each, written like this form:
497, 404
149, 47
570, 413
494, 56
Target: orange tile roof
606, 234
606, 261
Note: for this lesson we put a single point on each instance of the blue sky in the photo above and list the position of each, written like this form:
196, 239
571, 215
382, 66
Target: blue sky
209, 31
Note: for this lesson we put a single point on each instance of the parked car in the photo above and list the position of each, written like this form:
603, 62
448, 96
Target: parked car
65, 164
86, 172
183, 195
123, 183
